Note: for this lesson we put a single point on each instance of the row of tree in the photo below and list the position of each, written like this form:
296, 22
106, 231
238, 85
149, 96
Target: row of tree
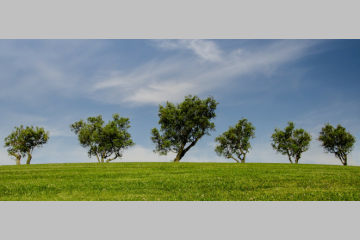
182, 126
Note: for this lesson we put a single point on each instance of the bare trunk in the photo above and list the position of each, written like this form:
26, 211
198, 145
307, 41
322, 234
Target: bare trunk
17, 158
342, 157
243, 159
103, 157
29, 158
287, 151
182, 151
180, 154
97, 158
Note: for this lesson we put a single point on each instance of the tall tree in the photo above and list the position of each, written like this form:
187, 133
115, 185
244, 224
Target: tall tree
337, 141
182, 125
104, 140
292, 142
236, 140
22, 141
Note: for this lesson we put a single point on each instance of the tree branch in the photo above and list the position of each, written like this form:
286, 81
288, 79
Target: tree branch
190, 146
289, 156
116, 156
230, 156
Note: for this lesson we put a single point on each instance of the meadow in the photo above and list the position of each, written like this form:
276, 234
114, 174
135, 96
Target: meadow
152, 181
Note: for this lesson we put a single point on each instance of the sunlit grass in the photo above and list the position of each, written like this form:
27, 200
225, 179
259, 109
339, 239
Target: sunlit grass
179, 182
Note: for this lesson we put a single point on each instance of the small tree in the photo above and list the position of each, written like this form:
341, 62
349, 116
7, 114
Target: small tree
182, 125
236, 141
22, 141
103, 141
337, 141
291, 142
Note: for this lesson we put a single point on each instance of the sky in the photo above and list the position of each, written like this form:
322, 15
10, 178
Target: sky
54, 83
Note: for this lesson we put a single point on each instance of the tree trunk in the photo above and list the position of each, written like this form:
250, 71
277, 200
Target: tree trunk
290, 159
243, 159
17, 158
97, 158
29, 158
180, 153
345, 160
103, 157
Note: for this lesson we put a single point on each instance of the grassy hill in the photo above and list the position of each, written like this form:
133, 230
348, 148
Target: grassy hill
179, 181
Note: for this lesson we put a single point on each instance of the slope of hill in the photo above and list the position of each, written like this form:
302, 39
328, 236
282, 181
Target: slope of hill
179, 181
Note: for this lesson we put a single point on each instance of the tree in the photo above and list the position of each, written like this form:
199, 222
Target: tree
291, 142
236, 140
104, 140
182, 125
337, 140
22, 141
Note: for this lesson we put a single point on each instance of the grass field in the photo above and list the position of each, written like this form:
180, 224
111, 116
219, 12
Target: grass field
179, 182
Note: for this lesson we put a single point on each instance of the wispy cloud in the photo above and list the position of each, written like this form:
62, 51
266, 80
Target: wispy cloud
172, 78
71, 69
204, 49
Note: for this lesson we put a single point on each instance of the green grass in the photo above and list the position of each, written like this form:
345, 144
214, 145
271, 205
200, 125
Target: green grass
179, 182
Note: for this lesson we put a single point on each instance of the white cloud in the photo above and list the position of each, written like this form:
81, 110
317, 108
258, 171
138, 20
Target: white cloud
72, 69
139, 153
173, 78
204, 49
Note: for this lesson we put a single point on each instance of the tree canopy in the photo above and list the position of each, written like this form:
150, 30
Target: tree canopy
22, 141
104, 140
337, 141
292, 142
236, 140
182, 125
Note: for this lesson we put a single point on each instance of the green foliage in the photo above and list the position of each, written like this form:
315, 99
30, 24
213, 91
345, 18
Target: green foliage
337, 141
182, 125
236, 140
291, 142
159, 181
22, 141
103, 141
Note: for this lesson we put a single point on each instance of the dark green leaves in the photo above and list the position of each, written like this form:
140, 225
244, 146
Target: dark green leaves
103, 141
291, 142
337, 141
236, 140
182, 125
22, 141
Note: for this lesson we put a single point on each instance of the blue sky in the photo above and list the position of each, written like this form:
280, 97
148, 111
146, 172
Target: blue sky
53, 83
